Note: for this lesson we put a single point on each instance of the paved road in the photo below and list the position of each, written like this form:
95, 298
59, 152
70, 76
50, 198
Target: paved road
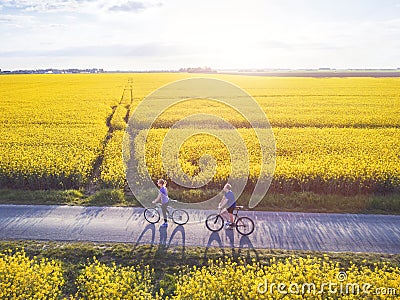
274, 230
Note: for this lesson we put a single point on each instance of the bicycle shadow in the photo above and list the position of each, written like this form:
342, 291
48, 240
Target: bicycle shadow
152, 229
214, 237
245, 250
247, 246
230, 236
164, 243
173, 242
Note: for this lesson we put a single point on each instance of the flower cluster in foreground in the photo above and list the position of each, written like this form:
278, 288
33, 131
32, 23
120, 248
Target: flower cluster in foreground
22, 277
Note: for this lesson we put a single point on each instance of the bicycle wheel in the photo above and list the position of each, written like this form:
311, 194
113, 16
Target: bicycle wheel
214, 222
245, 225
180, 216
151, 215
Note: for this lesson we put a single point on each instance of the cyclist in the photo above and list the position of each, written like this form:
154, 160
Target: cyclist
163, 197
228, 204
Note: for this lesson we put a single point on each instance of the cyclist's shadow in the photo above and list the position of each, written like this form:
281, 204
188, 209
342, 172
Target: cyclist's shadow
246, 247
164, 245
214, 238
152, 229
230, 236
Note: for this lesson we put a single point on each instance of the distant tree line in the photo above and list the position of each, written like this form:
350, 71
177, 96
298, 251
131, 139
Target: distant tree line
197, 70
54, 71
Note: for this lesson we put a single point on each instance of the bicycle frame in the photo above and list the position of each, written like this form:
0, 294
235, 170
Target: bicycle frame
243, 224
235, 213
170, 210
178, 216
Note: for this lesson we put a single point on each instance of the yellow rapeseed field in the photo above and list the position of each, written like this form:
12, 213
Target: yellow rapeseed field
25, 278
292, 278
307, 102
328, 160
112, 172
333, 135
284, 278
99, 281
52, 128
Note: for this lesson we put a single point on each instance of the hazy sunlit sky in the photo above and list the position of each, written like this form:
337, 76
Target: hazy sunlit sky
170, 34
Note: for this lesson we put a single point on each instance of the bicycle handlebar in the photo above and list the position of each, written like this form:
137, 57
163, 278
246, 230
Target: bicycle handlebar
237, 207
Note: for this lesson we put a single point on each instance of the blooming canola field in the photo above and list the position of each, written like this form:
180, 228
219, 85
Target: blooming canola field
333, 135
282, 278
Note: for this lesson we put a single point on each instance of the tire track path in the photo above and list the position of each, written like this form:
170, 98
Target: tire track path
95, 178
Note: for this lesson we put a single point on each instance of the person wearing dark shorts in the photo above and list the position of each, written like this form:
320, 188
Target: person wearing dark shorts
227, 204
230, 209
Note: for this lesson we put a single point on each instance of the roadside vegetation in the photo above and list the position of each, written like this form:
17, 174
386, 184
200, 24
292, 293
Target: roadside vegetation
106, 271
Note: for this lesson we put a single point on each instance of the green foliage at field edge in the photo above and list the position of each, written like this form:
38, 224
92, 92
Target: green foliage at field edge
295, 201
166, 262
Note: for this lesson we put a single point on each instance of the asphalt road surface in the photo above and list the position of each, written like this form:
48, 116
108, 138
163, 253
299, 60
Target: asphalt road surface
273, 230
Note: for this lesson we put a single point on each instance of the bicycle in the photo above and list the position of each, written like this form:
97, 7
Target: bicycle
244, 225
178, 216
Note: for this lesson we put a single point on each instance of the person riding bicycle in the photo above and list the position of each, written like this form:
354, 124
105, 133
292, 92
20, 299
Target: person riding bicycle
227, 204
163, 197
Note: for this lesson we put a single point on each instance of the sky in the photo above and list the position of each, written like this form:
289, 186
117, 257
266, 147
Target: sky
221, 34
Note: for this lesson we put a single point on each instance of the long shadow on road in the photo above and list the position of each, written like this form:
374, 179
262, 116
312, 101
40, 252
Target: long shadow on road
163, 243
274, 230
245, 245
176, 241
